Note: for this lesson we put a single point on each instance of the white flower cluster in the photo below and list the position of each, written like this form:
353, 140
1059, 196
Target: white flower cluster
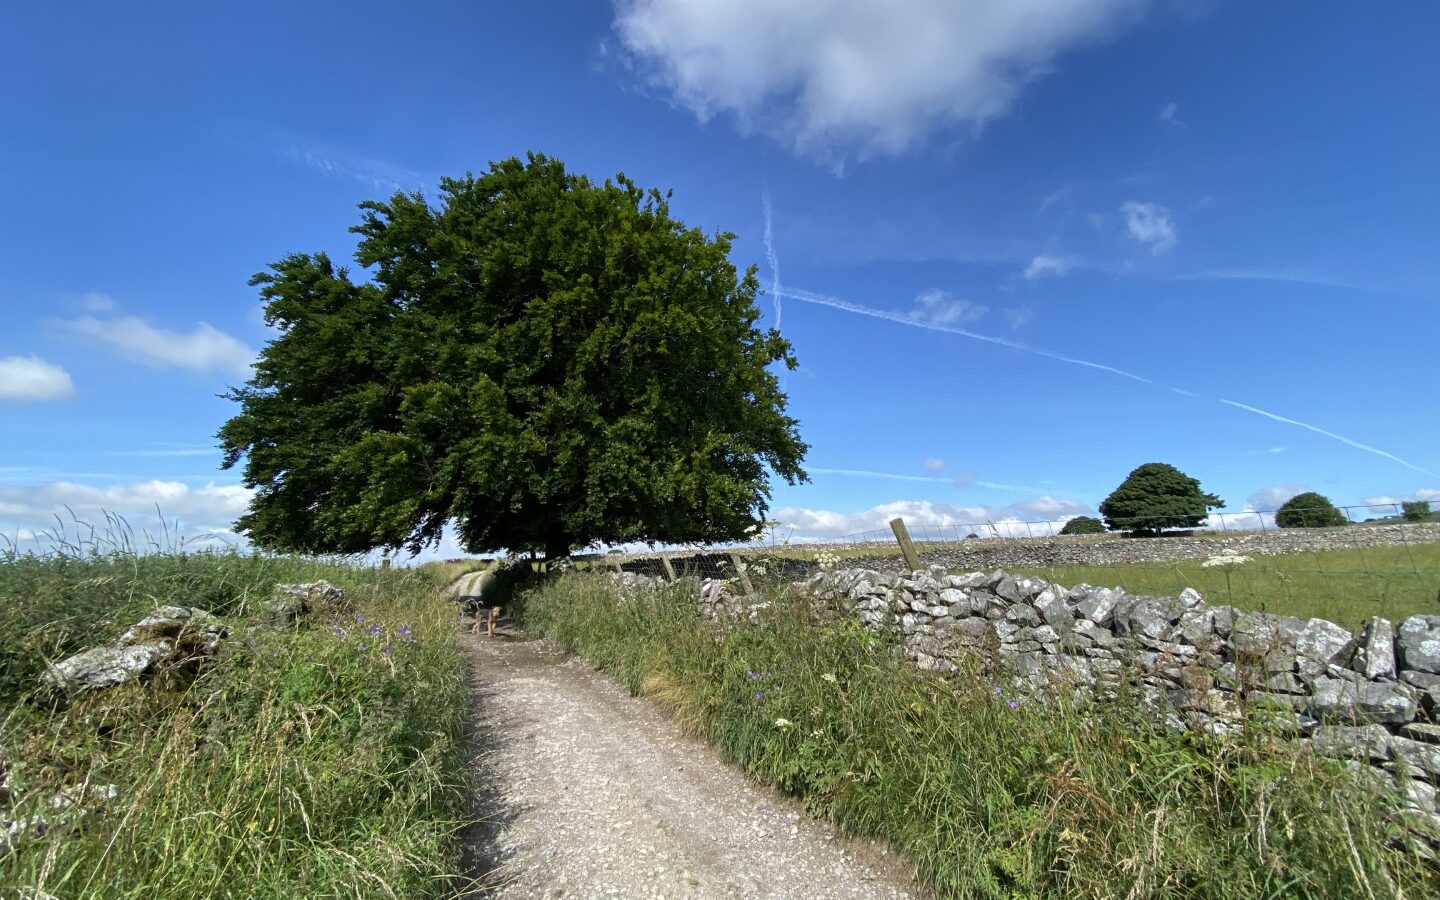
1226, 557
827, 560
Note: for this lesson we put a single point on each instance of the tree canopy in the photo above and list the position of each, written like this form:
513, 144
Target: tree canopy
1416, 511
544, 361
1157, 496
1309, 510
1083, 525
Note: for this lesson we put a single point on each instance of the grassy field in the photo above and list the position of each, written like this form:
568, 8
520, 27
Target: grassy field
325, 762
988, 794
1345, 586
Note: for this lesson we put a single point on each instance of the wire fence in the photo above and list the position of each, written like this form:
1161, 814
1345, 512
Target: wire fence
1372, 560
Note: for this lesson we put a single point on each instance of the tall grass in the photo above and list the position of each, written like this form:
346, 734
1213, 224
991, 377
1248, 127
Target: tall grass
324, 762
988, 793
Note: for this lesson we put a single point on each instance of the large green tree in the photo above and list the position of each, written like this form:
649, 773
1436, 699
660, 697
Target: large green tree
545, 361
1157, 496
1309, 510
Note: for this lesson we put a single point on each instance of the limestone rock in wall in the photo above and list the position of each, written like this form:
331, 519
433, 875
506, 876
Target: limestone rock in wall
1419, 644
1375, 657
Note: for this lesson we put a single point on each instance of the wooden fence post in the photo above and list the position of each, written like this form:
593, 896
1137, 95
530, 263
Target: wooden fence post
739, 565
669, 569
902, 537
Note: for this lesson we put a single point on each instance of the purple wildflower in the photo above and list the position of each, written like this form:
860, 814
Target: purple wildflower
387, 650
359, 618
374, 630
999, 690
759, 695
1014, 704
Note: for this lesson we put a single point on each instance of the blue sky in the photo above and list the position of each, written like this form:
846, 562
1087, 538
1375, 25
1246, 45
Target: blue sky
1235, 200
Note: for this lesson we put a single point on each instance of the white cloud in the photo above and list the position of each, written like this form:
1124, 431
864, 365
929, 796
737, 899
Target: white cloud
937, 307
1047, 507
1061, 193
1430, 495
1151, 224
1041, 266
1019, 316
203, 349
334, 162
838, 77
30, 379
1269, 450
1168, 115
1269, 499
935, 464
96, 302
209, 509
928, 520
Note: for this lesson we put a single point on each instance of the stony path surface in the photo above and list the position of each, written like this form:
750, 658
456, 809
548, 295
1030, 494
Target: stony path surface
589, 792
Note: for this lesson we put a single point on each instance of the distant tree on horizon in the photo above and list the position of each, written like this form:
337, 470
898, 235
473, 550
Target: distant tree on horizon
1416, 511
1155, 497
1309, 510
1083, 525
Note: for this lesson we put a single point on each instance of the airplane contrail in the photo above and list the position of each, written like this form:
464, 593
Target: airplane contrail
836, 303
846, 306
1330, 434
933, 479
770, 257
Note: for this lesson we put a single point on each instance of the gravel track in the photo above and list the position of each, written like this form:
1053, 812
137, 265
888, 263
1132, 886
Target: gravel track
589, 792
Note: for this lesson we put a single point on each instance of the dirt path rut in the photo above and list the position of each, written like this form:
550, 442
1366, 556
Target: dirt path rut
588, 792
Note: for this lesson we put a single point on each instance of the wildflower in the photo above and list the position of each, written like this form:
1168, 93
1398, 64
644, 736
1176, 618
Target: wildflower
374, 630
828, 676
387, 650
999, 690
759, 695
753, 675
818, 733
1013, 704
1226, 557
783, 724
816, 711
359, 618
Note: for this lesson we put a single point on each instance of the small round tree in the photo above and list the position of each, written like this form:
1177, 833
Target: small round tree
1083, 525
1309, 510
1416, 511
1157, 496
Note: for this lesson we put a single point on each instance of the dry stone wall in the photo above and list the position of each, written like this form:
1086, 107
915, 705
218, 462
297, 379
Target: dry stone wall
1371, 698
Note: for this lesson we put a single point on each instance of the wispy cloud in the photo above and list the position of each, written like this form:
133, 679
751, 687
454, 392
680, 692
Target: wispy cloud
938, 307
857, 309
171, 453
1042, 266
964, 479
935, 464
1169, 114
334, 162
1286, 276
204, 349
1150, 224
1270, 450
30, 379
1056, 196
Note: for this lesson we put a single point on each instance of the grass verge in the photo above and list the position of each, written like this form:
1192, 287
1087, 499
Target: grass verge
323, 762
990, 795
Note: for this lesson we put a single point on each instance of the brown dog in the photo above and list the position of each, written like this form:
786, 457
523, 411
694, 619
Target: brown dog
470, 590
